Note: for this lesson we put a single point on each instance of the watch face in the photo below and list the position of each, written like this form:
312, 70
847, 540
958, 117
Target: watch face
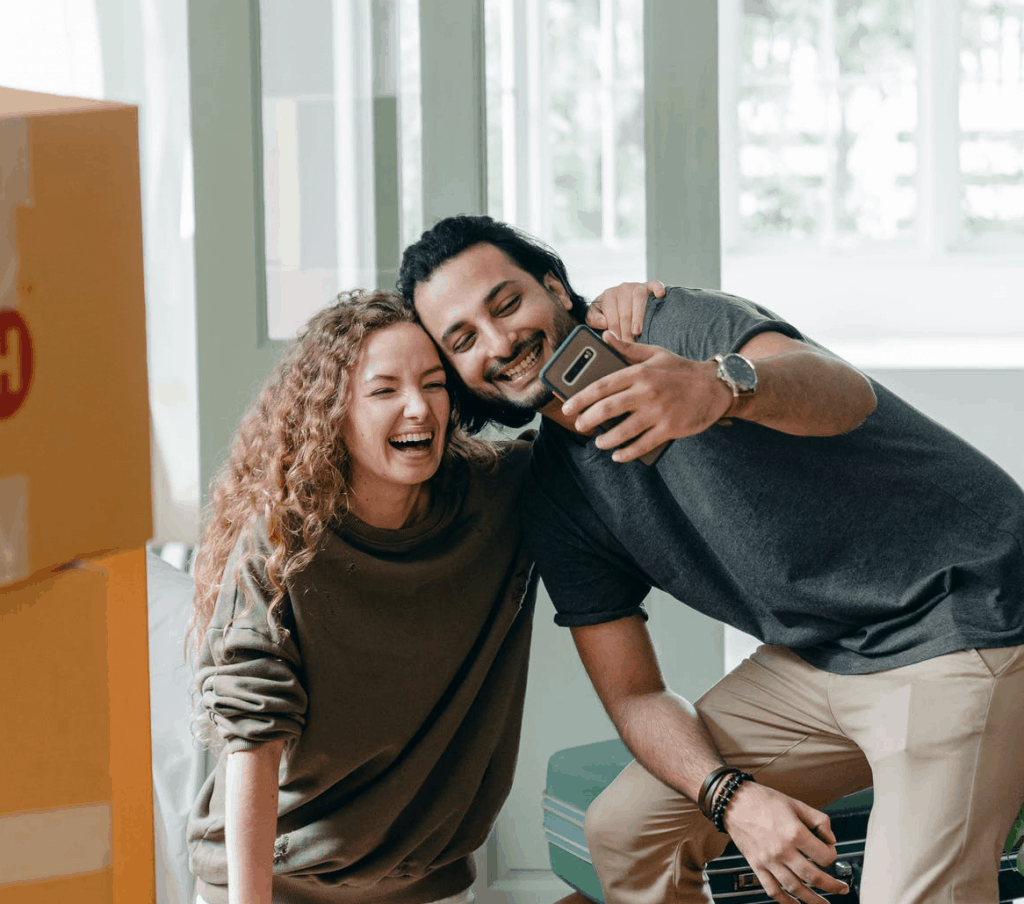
740, 372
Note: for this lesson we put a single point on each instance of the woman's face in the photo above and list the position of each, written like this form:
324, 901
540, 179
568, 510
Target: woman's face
397, 413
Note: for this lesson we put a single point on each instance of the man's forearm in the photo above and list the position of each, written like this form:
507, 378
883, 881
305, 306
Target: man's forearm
667, 736
806, 393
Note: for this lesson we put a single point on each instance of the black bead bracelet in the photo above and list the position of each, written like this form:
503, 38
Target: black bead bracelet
722, 799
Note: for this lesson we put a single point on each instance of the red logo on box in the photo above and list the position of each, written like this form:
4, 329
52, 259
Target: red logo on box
15, 362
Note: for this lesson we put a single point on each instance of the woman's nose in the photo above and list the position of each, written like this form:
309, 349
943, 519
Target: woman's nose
415, 404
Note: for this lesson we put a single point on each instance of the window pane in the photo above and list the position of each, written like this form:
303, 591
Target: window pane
873, 36
565, 130
297, 74
631, 167
574, 128
827, 122
876, 159
501, 125
317, 73
992, 120
779, 38
573, 41
783, 160
410, 120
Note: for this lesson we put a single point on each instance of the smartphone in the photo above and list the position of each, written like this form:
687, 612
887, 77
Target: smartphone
582, 359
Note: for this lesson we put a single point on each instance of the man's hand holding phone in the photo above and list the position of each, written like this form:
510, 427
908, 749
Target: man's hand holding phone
662, 397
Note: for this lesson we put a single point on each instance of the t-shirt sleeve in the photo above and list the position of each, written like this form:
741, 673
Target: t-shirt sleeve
699, 324
249, 670
587, 574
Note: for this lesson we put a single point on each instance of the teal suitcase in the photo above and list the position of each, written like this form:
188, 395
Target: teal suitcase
577, 775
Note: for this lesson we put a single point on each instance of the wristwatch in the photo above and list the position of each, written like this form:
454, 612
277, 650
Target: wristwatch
737, 373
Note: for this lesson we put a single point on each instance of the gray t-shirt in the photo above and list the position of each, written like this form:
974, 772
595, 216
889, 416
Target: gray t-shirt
884, 546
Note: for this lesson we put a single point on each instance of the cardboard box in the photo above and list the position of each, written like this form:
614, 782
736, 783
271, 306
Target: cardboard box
76, 813
74, 410
76, 809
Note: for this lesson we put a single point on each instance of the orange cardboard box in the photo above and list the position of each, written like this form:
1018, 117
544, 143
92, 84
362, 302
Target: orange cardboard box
76, 809
74, 409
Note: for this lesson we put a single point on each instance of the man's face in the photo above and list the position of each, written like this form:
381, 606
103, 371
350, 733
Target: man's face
496, 324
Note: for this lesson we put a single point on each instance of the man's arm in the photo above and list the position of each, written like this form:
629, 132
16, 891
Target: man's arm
800, 391
251, 821
666, 734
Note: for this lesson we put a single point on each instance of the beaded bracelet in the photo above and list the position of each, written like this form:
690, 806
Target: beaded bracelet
707, 789
722, 800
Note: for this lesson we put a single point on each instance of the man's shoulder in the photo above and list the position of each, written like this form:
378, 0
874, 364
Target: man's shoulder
687, 303
698, 323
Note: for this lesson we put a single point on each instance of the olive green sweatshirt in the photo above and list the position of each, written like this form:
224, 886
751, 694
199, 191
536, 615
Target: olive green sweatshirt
398, 691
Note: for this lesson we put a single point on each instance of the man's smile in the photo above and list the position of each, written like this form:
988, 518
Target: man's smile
523, 360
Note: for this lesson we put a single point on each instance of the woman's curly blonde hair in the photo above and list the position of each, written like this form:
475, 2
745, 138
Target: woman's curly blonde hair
288, 462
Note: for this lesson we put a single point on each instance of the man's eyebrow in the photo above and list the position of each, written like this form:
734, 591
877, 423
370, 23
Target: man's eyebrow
488, 298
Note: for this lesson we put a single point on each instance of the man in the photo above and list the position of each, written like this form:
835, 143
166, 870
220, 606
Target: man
880, 557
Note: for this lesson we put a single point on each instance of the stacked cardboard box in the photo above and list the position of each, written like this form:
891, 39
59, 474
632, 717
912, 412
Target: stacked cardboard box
76, 817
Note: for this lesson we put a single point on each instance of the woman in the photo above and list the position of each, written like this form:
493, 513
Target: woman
361, 626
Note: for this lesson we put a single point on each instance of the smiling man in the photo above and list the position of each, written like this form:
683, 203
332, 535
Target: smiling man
878, 556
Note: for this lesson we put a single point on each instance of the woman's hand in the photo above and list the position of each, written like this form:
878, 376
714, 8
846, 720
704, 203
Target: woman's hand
622, 308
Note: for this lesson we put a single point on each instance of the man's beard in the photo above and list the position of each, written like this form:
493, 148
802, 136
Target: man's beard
562, 324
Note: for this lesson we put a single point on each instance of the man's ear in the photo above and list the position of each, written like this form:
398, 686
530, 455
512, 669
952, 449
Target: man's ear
554, 285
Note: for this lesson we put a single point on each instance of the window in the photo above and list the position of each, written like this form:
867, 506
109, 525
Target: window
991, 160
873, 172
827, 114
872, 157
565, 130
840, 106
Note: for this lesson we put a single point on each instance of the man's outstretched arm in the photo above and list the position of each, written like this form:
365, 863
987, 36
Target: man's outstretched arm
801, 391
776, 833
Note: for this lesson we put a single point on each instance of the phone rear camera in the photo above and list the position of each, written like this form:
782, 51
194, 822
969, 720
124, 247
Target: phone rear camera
578, 366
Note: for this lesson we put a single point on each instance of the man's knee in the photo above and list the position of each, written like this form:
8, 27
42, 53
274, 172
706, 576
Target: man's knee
622, 820
604, 823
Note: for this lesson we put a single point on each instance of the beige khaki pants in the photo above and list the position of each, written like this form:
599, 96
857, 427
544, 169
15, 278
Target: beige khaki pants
942, 741
463, 897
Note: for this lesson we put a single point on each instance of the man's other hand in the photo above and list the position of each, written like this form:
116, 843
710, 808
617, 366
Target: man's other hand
785, 842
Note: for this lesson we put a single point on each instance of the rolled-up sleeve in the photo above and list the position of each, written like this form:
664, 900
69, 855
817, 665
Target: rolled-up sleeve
249, 673
252, 691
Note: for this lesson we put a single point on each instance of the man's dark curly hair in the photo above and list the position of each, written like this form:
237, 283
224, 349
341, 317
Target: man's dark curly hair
452, 236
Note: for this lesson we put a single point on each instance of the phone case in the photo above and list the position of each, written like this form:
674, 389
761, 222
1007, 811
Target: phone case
582, 359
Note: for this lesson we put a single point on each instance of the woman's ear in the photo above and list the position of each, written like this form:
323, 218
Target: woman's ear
554, 285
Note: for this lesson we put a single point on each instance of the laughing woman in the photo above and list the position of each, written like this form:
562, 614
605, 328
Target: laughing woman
361, 628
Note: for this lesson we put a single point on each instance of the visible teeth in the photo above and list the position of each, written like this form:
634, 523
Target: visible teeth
412, 437
523, 365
